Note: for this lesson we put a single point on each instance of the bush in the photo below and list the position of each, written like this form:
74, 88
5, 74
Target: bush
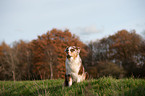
109, 69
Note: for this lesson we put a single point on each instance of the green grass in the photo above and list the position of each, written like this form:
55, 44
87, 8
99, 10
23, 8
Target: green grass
106, 86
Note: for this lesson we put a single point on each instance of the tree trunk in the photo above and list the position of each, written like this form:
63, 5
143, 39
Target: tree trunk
14, 78
51, 69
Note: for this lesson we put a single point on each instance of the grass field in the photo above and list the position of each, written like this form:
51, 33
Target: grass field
106, 86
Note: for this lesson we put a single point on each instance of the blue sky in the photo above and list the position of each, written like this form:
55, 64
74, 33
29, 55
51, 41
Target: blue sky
89, 19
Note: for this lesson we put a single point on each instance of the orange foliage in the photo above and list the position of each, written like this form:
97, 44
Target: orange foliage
54, 41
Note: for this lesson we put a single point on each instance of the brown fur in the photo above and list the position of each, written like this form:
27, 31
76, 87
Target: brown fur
81, 71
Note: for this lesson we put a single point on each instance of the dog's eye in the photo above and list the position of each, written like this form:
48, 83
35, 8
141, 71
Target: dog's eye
72, 50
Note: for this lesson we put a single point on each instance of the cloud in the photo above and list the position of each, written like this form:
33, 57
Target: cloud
89, 33
88, 30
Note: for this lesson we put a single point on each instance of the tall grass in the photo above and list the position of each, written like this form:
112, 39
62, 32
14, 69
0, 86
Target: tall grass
106, 86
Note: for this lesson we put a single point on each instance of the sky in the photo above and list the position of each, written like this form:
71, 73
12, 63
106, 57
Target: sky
88, 19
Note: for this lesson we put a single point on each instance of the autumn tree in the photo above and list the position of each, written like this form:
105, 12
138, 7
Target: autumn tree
4, 71
126, 50
10, 61
24, 56
48, 52
15, 61
99, 64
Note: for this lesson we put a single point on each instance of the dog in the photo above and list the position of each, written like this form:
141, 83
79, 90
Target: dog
74, 67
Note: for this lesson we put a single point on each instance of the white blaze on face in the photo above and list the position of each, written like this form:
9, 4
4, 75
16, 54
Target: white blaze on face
70, 51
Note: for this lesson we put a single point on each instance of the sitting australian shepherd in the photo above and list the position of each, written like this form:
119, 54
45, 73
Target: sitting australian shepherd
75, 71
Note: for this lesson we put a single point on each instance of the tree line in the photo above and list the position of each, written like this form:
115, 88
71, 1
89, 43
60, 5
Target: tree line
118, 55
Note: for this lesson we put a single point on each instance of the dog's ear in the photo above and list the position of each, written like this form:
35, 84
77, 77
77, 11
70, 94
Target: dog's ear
78, 49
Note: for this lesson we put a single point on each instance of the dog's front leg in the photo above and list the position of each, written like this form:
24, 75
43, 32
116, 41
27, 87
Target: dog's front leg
78, 80
68, 80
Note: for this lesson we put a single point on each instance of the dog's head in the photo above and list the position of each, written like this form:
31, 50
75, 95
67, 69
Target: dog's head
72, 51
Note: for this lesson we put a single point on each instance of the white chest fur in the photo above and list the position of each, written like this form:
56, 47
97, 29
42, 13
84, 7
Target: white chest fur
73, 65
